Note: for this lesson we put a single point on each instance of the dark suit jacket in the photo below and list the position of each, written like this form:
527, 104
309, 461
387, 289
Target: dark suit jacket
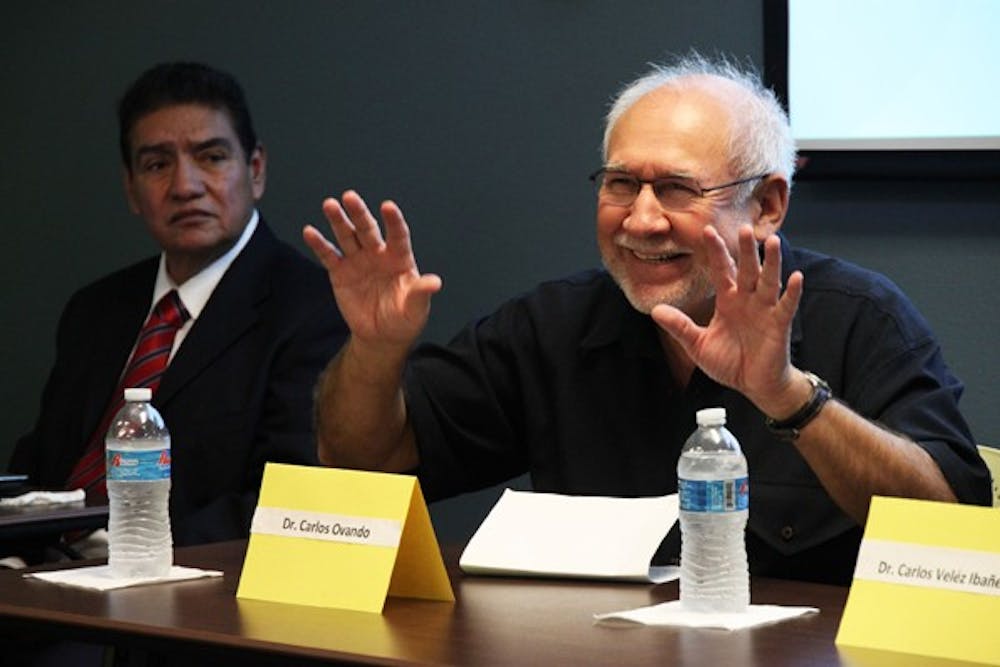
237, 393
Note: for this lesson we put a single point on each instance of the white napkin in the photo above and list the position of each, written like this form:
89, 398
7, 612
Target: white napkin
43, 498
591, 537
670, 613
98, 577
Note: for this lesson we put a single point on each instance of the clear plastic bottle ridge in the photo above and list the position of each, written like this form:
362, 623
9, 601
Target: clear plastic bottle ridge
714, 503
137, 448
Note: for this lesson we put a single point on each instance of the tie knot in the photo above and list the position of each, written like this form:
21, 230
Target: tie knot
170, 310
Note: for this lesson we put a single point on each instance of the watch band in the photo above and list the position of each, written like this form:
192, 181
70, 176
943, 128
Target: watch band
788, 429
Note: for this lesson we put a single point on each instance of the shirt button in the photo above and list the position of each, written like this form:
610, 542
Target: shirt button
787, 533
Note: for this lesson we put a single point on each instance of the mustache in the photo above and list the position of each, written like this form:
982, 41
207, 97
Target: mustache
649, 248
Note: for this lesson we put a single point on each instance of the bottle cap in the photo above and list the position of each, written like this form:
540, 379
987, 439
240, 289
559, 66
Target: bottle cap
711, 417
136, 394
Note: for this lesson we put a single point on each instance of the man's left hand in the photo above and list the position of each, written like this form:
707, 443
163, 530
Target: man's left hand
745, 345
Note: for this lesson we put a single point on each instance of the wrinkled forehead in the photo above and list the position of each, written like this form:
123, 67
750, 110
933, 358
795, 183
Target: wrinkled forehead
686, 124
691, 102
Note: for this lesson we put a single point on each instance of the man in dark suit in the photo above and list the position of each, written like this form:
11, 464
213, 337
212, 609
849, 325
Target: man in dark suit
238, 388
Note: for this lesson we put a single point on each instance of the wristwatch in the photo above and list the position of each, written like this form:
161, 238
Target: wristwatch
788, 429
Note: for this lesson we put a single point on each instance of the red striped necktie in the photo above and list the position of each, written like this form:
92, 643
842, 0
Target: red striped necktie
144, 369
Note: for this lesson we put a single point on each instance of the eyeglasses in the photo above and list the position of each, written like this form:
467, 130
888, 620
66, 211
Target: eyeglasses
675, 193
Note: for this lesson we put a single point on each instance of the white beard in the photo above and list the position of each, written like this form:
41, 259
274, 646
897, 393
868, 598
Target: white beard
687, 295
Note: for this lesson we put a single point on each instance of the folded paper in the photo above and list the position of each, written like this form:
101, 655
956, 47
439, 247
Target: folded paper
44, 498
671, 613
99, 577
345, 539
927, 582
597, 537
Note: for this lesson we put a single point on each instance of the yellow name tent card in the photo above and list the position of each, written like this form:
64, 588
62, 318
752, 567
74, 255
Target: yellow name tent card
327, 537
927, 583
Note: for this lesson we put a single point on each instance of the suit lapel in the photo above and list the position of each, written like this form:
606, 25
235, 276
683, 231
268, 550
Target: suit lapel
231, 311
116, 325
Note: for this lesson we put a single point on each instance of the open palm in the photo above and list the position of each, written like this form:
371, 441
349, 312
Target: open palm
378, 287
745, 345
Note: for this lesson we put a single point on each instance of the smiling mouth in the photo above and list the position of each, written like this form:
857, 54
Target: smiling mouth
659, 258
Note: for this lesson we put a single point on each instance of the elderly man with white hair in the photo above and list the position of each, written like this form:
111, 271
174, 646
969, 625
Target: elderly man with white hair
833, 382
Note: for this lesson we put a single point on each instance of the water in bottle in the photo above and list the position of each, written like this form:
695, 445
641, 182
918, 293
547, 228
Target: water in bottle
714, 501
138, 478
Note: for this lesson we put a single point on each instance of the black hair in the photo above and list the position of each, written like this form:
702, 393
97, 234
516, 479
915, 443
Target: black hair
169, 84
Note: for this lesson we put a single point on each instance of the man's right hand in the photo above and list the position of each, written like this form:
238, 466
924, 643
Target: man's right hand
385, 301
383, 297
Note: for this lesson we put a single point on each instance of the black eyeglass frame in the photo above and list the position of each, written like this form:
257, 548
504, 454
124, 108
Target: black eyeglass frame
698, 194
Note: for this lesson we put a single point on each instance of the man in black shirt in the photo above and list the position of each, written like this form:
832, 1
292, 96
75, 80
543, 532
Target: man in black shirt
591, 383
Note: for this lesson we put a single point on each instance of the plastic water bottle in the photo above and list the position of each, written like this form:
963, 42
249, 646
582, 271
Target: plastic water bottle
714, 502
138, 477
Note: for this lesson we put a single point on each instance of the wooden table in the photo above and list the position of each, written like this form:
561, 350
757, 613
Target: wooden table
32, 520
495, 621
36, 529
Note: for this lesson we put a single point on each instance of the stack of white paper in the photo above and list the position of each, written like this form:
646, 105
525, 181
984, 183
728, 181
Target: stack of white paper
546, 534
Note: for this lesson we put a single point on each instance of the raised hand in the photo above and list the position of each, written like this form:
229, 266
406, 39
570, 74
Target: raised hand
745, 346
380, 292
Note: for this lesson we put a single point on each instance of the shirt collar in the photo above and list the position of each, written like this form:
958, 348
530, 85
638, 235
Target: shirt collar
787, 267
197, 289
636, 331
616, 321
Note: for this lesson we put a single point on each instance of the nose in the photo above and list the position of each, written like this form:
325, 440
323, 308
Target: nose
645, 215
186, 181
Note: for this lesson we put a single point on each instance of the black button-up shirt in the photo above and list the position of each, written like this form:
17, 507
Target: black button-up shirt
570, 384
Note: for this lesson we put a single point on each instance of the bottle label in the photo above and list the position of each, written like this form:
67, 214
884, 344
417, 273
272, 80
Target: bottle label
718, 495
138, 466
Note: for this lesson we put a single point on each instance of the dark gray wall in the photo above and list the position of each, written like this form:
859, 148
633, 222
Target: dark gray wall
451, 108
